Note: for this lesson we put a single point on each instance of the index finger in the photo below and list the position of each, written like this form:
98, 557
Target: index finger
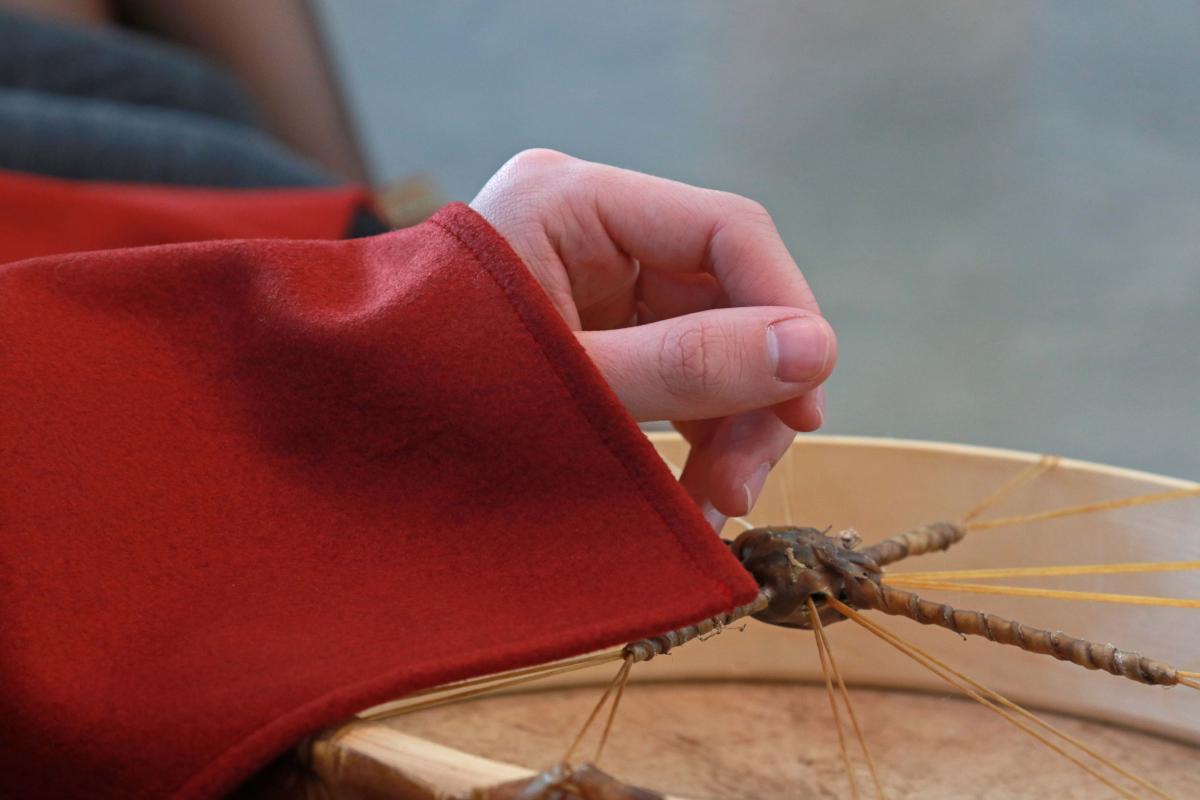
672, 226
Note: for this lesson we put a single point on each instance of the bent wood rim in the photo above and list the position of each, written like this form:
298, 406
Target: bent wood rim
449, 770
660, 438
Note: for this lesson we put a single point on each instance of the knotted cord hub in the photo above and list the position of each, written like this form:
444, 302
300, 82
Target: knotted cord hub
796, 564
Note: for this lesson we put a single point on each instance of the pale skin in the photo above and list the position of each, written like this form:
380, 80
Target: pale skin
687, 301
685, 298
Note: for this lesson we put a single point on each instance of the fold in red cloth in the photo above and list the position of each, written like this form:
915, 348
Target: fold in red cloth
44, 216
250, 487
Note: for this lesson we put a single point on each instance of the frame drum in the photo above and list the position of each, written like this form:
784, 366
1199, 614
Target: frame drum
744, 714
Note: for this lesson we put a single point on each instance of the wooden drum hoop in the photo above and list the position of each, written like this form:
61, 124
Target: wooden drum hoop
756, 696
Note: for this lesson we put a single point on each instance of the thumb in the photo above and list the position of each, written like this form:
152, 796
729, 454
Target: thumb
714, 363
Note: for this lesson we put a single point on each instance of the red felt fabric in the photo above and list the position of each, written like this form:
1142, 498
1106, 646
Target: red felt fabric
249, 487
43, 216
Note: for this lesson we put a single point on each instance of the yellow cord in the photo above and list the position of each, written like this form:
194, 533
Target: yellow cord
1030, 472
1090, 508
1046, 594
1033, 572
837, 718
968, 686
823, 641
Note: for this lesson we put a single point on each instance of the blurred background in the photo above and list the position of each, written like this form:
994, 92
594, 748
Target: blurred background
997, 204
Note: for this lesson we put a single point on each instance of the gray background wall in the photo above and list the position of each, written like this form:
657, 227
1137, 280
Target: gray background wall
998, 204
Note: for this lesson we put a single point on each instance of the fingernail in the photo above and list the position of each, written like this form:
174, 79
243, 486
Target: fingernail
819, 405
714, 517
799, 347
754, 486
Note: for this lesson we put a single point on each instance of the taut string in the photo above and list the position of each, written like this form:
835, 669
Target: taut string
1030, 472
969, 686
1090, 508
837, 717
823, 644
617, 679
622, 680
485, 685
1046, 594
1035, 572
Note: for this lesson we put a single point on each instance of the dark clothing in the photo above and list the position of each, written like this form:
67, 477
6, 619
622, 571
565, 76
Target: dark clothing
107, 104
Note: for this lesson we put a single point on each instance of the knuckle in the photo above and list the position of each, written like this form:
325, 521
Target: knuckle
736, 205
694, 360
538, 179
755, 212
537, 159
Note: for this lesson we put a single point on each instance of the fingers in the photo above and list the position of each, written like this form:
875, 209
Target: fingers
714, 363
805, 413
696, 431
563, 242
675, 227
612, 246
593, 217
672, 294
726, 473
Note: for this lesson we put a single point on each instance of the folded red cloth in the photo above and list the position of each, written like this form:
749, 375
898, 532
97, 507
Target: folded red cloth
42, 216
250, 487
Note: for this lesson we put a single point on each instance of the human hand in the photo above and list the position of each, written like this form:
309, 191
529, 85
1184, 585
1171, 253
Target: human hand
687, 301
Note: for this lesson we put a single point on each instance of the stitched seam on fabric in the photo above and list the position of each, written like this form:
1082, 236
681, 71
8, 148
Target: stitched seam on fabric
197, 779
642, 490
